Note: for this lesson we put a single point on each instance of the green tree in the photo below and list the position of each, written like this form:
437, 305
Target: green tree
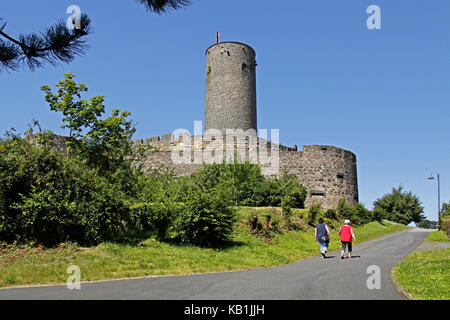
314, 211
427, 224
104, 143
445, 209
344, 210
400, 206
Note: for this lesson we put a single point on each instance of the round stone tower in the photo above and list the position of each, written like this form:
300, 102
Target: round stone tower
230, 87
330, 174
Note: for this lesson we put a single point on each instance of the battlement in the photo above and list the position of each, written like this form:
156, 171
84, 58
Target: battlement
167, 142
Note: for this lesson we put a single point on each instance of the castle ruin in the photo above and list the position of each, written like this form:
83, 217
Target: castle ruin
329, 173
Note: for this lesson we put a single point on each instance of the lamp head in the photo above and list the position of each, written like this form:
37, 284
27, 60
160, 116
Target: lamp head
431, 177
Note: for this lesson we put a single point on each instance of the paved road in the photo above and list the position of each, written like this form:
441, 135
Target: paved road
314, 278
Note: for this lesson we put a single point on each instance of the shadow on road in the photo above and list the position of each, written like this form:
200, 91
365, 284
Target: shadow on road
346, 257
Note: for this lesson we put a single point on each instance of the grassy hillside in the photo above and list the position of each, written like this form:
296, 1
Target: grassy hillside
281, 244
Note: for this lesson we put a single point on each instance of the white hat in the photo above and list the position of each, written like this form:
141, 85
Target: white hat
347, 221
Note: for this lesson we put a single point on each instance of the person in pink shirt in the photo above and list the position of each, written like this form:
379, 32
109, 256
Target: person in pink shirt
347, 234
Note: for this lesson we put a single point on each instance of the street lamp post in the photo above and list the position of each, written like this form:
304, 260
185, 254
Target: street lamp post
439, 197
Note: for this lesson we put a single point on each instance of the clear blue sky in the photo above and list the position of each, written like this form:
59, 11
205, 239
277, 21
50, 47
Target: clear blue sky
322, 76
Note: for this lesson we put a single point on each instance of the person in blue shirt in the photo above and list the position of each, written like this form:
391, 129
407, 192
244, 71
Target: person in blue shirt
322, 235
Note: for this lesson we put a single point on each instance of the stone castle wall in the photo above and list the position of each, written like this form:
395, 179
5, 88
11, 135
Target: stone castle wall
329, 173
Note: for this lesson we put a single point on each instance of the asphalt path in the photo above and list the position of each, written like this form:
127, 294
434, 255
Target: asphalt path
367, 276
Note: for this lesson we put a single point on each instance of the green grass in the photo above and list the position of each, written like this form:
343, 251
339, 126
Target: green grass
30, 266
425, 274
437, 236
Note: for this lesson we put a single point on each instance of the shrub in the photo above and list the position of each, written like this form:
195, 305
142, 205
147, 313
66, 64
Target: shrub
275, 223
357, 214
427, 224
331, 223
139, 219
268, 230
240, 180
314, 211
378, 214
344, 210
207, 218
249, 187
50, 198
255, 224
286, 208
361, 215
331, 214
290, 186
445, 209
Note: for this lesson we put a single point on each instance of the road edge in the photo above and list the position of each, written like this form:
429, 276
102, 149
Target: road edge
398, 286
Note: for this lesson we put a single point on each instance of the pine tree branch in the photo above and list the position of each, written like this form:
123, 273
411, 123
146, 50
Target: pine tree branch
56, 44
162, 6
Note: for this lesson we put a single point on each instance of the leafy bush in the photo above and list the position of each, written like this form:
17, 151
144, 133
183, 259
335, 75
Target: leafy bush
50, 198
445, 209
240, 180
255, 224
290, 187
357, 214
179, 210
268, 230
207, 218
378, 214
331, 214
427, 224
275, 223
249, 187
286, 208
361, 214
344, 210
313, 213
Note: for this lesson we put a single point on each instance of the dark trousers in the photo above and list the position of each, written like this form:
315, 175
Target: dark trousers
349, 244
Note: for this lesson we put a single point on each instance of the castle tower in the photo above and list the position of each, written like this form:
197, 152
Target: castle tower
230, 87
330, 174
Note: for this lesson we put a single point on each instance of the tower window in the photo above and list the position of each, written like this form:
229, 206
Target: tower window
324, 148
340, 176
244, 67
317, 193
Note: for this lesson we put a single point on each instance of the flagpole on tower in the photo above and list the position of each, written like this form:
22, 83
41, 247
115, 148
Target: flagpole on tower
217, 37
